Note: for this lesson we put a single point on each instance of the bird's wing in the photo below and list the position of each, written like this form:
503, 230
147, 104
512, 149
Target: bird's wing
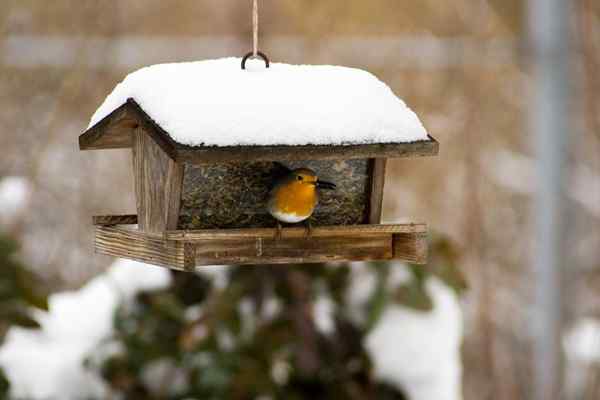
278, 172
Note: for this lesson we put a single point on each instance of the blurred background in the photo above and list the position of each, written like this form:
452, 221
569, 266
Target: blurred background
458, 328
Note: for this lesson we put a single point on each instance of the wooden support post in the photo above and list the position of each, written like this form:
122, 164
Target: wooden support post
158, 184
377, 167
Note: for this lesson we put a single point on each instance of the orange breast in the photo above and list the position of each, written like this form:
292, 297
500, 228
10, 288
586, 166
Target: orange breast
296, 198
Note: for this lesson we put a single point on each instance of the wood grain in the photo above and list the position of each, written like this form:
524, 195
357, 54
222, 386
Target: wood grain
135, 245
211, 155
301, 250
295, 232
114, 220
158, 182
189, 254
411, 247
377, 172
112, 132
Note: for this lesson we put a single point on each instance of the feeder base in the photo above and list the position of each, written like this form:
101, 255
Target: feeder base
188, 250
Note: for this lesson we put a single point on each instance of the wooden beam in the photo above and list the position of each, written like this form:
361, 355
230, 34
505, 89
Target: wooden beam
115, 220
212, 155
295, 232
293, 250
411, 247
158, 183
375, 196
239, 249
139, 246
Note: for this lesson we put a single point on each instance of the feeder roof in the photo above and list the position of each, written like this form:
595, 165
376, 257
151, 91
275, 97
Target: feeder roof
215, 104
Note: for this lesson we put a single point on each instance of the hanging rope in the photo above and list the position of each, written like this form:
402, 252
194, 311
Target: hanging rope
255, 53
255, 28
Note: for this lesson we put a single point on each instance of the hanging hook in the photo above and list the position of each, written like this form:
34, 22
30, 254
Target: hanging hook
255, 53
259, 54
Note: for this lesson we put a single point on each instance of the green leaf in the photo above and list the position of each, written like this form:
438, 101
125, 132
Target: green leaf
452, 276
4, 385
413, 295
380, 297
23, 320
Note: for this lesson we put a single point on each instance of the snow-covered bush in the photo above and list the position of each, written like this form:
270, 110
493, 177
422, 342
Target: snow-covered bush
364, 330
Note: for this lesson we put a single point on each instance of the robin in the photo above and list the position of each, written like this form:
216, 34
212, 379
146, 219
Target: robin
294, 197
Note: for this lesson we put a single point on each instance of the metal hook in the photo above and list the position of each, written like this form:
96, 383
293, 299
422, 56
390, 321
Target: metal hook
258, 55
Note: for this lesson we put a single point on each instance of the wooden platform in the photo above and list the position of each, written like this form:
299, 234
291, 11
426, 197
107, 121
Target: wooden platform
188, 250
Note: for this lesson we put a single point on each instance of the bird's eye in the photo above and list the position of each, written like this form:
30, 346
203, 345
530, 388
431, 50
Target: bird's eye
299, 177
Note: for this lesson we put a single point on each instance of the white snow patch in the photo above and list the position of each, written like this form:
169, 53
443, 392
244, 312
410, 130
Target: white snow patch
218, 274
582, 342
48, 363
215, 102
14, 196
419, 352
323, 310
363, 283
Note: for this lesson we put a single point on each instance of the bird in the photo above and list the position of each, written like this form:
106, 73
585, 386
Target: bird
294, 196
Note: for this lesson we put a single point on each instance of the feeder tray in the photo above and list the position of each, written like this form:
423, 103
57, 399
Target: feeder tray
205, 205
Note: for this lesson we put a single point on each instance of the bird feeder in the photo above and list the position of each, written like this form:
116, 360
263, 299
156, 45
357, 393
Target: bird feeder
204, 204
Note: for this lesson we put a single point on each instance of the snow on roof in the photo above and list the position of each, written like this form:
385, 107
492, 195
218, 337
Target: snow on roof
216, 103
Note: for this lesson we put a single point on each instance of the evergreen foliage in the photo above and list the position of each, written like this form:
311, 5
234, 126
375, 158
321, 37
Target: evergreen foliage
20, 291
257, 335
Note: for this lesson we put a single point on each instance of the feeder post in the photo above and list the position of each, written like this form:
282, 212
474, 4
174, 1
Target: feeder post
377, 174
158, 182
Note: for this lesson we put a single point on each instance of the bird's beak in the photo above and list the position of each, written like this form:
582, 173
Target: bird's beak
325, 185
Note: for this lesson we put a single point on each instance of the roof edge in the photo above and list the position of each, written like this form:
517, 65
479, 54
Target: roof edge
115, 130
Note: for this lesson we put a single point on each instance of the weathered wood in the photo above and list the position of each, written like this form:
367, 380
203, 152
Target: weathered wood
139, 246
210, 155
411, 247
189, 254
112, 132
377, 172
286, 250
325, 246
295, 232
158, 182
116, 129
114, 219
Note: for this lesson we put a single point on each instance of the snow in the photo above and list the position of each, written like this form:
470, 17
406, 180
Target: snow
14, 195
581, 345
49, 363
419, 352
363, 283
216, 103
582, 342
323, 315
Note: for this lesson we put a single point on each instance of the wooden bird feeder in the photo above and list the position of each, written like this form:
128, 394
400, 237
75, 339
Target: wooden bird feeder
205, 205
